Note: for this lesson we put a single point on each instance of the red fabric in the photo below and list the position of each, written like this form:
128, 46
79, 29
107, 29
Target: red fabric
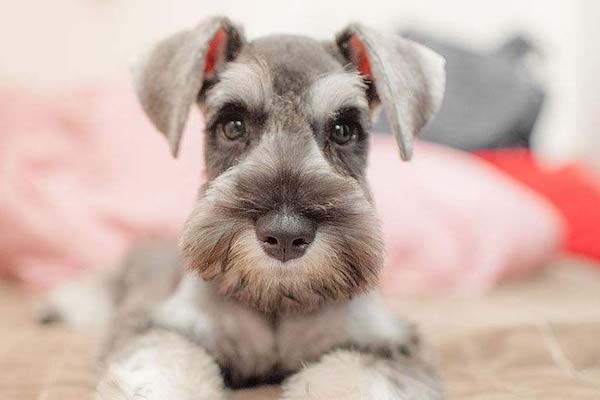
573, 189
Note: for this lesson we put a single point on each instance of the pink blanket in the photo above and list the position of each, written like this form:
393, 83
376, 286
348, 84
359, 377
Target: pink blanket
83, 175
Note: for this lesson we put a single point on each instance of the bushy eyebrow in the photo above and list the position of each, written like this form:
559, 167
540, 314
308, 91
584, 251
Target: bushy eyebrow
249, 84
333, 92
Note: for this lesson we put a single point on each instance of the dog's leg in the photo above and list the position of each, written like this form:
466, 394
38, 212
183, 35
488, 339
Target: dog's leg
369, 354
359, 375
147, 274
161, 365
142, 360
83, 304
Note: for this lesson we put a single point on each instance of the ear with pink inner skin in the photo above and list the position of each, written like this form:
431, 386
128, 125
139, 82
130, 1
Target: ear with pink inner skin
409, 79
170, 77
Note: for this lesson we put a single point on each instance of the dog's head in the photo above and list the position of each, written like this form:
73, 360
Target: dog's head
286, 221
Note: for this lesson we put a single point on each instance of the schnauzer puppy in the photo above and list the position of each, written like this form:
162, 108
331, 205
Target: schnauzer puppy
281, 255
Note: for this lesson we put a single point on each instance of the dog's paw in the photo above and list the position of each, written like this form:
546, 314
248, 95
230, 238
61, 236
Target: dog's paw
352, 375
160, 366
83, 304
145, 383
404, 347
339, 375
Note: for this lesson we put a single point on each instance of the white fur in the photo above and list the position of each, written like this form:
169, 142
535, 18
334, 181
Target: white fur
334, 91
162, 366
350, 375
249, 83
340, 375
182, 312
369, 320
82, 304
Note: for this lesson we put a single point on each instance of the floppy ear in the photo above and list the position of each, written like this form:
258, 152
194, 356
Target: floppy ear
170, 77
409, 79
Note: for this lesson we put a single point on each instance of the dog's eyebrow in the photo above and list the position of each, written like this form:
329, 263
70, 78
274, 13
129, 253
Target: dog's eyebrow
214, 117
336, 91
242, 83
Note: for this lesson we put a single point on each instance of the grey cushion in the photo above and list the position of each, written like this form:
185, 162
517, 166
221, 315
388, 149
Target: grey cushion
491, 99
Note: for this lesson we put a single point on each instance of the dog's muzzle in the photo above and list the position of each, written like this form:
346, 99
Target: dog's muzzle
283, 232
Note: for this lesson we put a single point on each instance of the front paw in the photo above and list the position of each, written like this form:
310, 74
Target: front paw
339, 375
161, 366
402, 348
171, 385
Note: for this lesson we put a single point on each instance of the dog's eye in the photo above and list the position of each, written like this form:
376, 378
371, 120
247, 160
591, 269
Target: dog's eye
233, 129
343, 133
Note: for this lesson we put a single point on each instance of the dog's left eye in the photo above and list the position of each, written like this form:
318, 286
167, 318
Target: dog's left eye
233, 129
343, 133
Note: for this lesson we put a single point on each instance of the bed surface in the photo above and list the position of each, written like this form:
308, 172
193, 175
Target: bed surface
532, 339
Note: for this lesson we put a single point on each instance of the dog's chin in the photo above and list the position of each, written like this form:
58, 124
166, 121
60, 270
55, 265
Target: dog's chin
334, 268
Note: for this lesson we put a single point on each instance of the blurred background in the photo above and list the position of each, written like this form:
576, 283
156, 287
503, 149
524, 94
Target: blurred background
494, 249
51, 44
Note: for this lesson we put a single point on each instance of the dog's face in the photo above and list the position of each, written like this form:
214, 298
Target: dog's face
286, 222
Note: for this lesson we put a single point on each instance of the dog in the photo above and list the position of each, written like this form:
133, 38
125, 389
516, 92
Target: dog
275, 275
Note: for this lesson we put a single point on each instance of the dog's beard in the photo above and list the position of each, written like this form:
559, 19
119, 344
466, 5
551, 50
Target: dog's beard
343, 260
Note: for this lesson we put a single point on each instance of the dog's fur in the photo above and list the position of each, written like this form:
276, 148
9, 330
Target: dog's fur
236, 316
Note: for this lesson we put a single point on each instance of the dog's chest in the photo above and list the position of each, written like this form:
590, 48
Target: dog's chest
251, 349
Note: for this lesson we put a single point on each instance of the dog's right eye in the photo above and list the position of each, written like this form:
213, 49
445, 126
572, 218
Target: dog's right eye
232, 129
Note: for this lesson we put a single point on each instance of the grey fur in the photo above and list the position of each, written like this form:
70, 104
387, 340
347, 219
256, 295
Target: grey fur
333, 92
247, 83
169, 78
257, 318
289, 173
409, 80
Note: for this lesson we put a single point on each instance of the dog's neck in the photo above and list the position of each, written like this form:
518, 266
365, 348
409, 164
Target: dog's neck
274, 315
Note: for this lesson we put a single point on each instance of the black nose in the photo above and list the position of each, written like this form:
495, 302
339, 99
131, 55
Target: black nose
285, 236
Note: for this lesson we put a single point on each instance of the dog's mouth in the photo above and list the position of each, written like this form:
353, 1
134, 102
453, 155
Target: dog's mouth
333, 267
283, 261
